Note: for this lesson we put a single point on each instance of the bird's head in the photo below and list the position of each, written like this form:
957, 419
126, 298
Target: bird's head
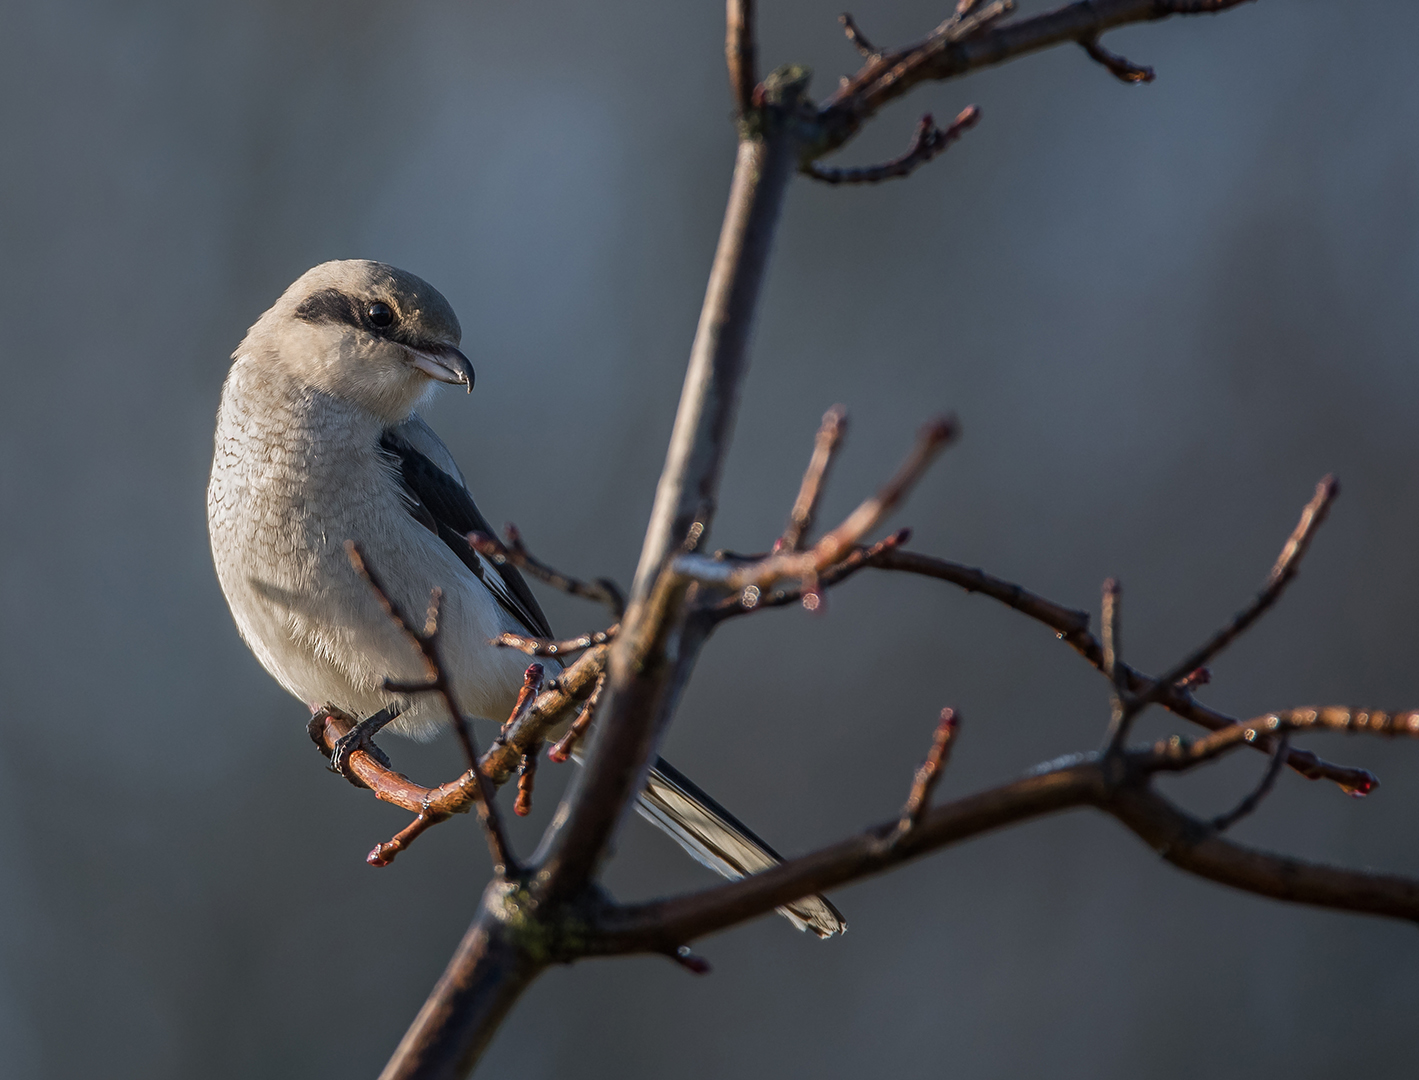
362, 332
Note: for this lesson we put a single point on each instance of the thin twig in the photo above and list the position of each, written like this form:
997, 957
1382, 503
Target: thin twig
750, 601
1281, 575
927, 143
927, 776
536, 646
1223, 822
563, 749
1111, 611
836, 545
1119, 66
1177, 755
525, 778
497, 765
559, 697
856, 36
526, 695
427, 646
602, 590
810, 491
1072, 628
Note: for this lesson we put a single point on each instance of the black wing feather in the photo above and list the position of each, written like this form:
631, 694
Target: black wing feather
442, 504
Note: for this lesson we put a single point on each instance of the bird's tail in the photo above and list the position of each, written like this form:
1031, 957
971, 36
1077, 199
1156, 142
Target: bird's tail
722, 842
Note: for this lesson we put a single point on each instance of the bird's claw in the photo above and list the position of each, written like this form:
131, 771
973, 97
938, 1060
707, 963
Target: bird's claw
359, 737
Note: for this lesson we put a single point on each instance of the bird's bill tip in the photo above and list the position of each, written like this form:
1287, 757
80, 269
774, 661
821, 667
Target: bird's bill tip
443, 363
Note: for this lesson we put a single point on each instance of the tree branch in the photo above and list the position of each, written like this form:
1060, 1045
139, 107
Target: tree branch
426, 644
927, 143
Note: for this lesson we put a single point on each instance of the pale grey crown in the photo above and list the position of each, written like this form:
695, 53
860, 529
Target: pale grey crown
364, 332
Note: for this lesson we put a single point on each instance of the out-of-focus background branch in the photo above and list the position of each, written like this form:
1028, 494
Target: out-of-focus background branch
1162, 310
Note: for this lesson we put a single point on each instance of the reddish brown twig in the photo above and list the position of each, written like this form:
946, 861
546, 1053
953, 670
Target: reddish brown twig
746, 602
927, 776
563, 748
1119, 66
602, 590
856, 36
536, 646
526, 775
523, 735
927, 143
810, 491
531, 684
1176, 755
426, 644
691, 962
559, 697
837, 545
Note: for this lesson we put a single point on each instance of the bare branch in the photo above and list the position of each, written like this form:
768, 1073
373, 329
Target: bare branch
1177, 755
1195, 846
856, 36
531, 684
927, 776
1281, 575
669, 923
603, 590
1223, 822
552, 706
973, 41
427, 646
1072, 627
749, 601
1113, 666
1118, 66
927, 143
563, 749
838, 544
805, 507
741, 53
525, 778
536, 646
1187, 842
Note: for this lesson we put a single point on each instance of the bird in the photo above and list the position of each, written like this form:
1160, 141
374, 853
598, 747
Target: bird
318, 444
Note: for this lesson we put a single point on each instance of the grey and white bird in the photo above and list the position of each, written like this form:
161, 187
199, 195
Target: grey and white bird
317, 444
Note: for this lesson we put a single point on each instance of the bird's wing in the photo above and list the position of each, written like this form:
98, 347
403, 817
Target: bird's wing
439, 499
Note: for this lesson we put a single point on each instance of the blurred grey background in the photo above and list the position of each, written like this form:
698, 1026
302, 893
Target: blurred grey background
1161, 312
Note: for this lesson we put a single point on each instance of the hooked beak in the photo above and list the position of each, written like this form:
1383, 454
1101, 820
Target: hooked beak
444, 363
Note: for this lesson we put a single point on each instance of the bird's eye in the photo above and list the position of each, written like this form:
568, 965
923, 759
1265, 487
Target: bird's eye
380, 314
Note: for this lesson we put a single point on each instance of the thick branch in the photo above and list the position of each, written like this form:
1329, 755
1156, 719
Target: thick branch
741, 53
667, 924
1196, 847
1187, 842
643, 682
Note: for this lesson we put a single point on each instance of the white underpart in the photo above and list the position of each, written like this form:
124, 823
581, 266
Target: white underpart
296, 474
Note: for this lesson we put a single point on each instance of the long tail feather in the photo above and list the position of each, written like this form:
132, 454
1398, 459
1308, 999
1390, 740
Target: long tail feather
722, 842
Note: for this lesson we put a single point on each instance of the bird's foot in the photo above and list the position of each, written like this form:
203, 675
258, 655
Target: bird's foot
359, 737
